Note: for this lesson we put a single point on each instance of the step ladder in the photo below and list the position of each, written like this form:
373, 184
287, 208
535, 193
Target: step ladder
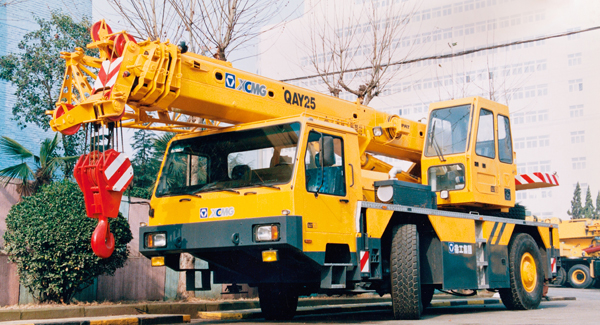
481, 256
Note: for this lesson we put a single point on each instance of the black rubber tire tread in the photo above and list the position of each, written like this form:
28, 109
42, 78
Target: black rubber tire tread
405, 273
278, 301
561, 277
516, 297
427, 295
588, 279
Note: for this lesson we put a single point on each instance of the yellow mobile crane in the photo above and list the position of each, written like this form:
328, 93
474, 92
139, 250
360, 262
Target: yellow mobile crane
579, 258
278, 186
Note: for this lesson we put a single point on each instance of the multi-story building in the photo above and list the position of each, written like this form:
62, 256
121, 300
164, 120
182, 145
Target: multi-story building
17, 18
547, 82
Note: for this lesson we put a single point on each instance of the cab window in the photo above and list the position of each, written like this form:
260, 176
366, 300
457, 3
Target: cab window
485, 135
324, 164
505, 151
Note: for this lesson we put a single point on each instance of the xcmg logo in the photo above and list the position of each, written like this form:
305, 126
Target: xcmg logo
217, 212
245, 85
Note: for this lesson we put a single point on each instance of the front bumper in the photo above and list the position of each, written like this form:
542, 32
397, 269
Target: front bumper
232, 252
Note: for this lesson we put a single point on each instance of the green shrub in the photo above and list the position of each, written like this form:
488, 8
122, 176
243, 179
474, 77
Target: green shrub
48, 237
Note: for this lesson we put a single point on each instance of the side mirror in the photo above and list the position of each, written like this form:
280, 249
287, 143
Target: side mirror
328, 152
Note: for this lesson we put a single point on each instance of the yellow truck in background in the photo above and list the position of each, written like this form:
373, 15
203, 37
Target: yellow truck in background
284, 188
579, 260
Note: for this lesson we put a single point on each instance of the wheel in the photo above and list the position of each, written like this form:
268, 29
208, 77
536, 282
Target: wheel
561, 277
526, 274
405, 277
579, 276
426, 295
278, 301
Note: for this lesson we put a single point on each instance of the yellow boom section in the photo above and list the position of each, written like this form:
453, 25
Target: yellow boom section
152, 85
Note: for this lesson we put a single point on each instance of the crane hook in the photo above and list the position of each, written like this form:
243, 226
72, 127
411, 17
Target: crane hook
103, 241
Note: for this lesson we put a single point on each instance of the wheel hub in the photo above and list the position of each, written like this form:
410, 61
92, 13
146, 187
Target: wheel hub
528, 272
578, 277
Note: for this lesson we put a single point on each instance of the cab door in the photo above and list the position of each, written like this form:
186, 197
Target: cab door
485, 163
328, 200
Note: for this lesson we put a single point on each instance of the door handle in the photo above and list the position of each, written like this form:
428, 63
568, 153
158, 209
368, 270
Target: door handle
352, 170
344, 200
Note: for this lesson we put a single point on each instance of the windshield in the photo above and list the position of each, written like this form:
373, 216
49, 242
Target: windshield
257, 157
448, 131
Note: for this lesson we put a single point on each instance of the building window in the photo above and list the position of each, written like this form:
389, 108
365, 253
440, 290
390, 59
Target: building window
426, 14
517, 69
491, 24
577, 137
518, 118
532, 142
447, 33
515, 20
544, 140
519, 143
529, 67
540, 15
436, 12
574, 59
545, 166
504, 22
479, 4
528, 17
447, 10
541, 65
469, 5
574, 36
533, 167
576, 110
458, 7
576, 85
481, 27
458, 31
543, 115
517, 93
469, 29
542, 90
521, 195
529, 92
531, 117
521, 168
578, 163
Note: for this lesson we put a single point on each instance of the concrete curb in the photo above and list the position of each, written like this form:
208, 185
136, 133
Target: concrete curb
110, 320
385, 304
224, 309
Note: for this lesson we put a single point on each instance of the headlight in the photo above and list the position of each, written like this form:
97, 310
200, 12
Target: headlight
266, 233
155, 240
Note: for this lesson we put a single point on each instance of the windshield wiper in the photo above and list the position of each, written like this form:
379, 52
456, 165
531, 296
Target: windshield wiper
266, 185
434, 143
230, 190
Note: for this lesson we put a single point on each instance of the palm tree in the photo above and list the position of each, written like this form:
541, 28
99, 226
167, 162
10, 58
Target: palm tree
46, 164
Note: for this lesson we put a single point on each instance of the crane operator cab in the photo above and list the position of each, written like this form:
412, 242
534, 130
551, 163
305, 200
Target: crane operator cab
468, 157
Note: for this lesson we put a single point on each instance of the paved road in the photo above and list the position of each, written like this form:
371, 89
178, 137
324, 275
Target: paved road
584, 310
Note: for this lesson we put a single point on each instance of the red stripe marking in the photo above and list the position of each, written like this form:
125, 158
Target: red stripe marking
527, 178
364, 260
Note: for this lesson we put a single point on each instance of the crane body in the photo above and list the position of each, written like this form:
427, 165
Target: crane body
280, 187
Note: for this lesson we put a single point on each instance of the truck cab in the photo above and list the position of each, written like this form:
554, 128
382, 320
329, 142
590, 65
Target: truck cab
468, 158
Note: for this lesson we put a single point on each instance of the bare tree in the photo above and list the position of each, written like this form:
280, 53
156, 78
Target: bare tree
154, 19
218, 27
345, 38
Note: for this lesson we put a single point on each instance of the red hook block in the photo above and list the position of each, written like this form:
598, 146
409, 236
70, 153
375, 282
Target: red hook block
103, 177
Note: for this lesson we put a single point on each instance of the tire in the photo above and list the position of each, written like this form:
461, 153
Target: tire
426, 295
561, 277
405, 277
526, 274
579, 276
278, 301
